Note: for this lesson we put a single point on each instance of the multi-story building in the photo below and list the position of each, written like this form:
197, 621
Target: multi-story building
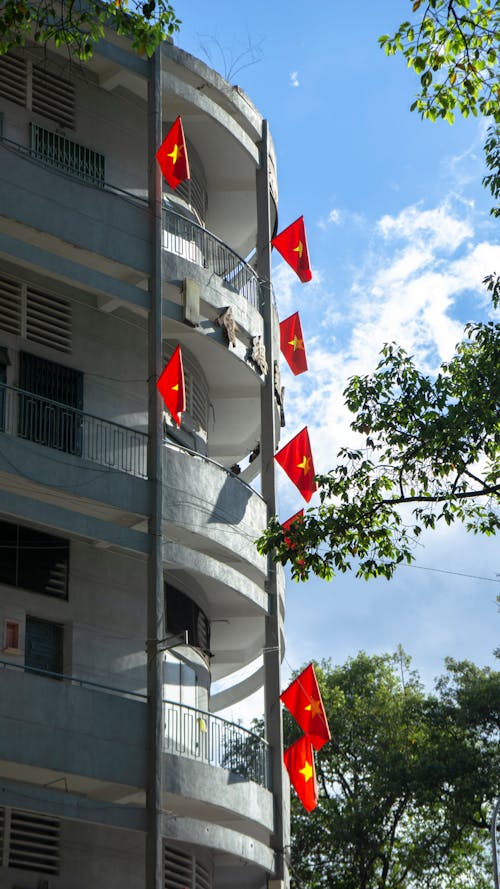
79, 245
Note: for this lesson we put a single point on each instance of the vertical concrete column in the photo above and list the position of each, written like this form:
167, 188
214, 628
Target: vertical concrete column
155, 597
272, 651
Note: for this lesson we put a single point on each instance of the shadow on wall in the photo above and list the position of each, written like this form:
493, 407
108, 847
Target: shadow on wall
231, 504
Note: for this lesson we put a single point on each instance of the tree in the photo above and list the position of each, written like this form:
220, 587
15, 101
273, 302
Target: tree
453, 46
78, 25
432, 454
432, 445
407, 781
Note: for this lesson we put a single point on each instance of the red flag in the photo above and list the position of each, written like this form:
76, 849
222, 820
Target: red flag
303, 699
172, 155
297, 517
299, 762
292, 245
296, 459
171, 385
292, 344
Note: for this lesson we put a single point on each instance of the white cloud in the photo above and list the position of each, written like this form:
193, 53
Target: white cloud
405, 289
294, 78
334, 218
438, 228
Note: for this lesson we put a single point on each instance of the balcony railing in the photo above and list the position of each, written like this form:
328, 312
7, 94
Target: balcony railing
194, 243
190, 732
58, 151
210, 739
64, 428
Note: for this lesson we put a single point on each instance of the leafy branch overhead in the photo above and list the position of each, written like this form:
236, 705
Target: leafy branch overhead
78, 25
431, 455
453, 46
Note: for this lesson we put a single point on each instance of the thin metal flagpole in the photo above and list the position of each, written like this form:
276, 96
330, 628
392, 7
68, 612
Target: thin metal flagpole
155, 596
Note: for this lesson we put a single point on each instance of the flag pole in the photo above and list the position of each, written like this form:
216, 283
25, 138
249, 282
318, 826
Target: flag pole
272, 650
155, 594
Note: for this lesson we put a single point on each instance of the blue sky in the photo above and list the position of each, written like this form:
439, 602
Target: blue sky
400, 238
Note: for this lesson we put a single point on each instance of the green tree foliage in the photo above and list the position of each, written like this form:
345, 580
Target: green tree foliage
406, 783
432, 455
78, 25
453, 46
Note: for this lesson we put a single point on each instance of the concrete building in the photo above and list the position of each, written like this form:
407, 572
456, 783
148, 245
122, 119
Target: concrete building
78, 247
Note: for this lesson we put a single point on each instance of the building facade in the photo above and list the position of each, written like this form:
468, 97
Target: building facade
77, 258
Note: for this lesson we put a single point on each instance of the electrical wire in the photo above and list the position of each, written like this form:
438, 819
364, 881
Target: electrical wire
455, 573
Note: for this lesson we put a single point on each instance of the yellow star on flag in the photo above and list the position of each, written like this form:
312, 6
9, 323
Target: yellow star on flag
175, 388
299, 249
296, 343
314, 707
176, 153
305, 465
307, 771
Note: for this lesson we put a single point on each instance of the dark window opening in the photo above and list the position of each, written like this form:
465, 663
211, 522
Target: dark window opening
40, 419
185, 615
3, 381
34, 560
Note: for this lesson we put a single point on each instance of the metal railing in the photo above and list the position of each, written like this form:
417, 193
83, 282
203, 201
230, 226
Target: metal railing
65, 154
210, 739
64, 428
194, 243
190, 732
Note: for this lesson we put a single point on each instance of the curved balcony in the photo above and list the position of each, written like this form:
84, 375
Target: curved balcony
208, 508
185, 238
189, 732
72, 431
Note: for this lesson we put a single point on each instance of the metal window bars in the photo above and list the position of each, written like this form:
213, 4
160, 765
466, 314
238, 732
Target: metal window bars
65, 154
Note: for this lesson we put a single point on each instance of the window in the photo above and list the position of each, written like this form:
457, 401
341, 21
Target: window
44, 418
34, 560
43, 649
34, 314
184, 614
37, 88
4, 360
65, 154
11, 635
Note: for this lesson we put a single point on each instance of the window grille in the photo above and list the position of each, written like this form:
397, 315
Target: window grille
48, 320
10, 305
38, 89
57, 425
53, 97
33, 842
65, 154
184, 871
13, 79
34, 314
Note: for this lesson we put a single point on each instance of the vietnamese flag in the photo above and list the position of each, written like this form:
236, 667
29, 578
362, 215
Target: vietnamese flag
171, 386
303, 699
292, 344
296, 459
299, 762
172, 155
297, 517
292, 245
